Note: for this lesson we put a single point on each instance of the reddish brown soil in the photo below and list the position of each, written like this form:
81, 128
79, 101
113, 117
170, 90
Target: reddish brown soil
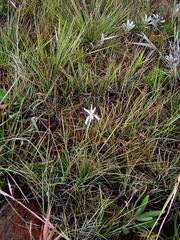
17, 223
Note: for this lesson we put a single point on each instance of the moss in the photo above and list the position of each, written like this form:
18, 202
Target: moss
158, 40
168, 27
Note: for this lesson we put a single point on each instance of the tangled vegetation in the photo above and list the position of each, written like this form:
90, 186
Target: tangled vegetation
89, 114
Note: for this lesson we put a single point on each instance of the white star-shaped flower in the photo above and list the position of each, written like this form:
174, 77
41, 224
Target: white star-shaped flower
156, 19
91, 115
172, 60
146, 20
128, 26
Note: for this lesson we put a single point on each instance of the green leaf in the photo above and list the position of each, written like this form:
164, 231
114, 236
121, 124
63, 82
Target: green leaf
150, 214
63, 179
142, 206
2, 94
168, 27
140, 228
84, 171
137, 63
149, 224
144, 226
153, 237
141, 218
20, 100
155, 78
139, 60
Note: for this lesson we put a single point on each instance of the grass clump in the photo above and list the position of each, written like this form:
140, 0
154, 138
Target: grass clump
116, 177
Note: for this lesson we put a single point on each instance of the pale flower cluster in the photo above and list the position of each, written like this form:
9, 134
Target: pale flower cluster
173, 59
153, 20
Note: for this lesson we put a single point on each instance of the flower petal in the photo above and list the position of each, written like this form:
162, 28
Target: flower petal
97, 117
87, 120
88, 111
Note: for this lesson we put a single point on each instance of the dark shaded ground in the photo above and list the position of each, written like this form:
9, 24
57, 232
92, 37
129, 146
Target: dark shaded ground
17, 223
